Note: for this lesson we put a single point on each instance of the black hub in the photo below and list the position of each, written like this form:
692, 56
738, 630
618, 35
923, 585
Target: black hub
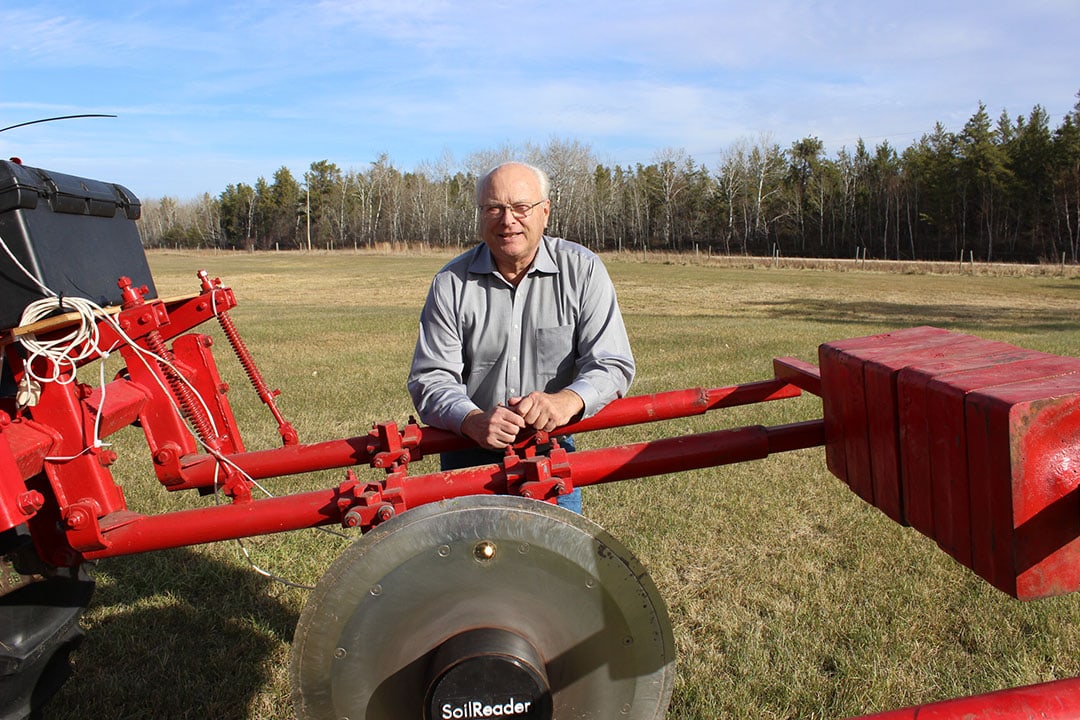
486, 673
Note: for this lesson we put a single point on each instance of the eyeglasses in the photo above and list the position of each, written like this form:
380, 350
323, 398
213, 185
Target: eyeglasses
518, 210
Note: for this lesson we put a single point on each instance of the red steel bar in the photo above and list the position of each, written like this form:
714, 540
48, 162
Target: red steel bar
799, 373
137, 534
296, 459
692, 452
286, 430
1057, 700
680, 403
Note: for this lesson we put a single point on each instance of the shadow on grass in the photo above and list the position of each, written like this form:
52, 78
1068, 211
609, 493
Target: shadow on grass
965, 318
176, 634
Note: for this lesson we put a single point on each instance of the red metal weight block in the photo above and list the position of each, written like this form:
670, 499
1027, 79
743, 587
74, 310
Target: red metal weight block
933, 468
944, 400
854, 417
1023, 443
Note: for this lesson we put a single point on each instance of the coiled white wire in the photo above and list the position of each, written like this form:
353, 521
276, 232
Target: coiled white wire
66, 352
82, 343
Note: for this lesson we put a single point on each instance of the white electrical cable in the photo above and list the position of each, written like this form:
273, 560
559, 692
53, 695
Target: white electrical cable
83, 344
86, 337
97, 419
26, 272
66, 352
275, 578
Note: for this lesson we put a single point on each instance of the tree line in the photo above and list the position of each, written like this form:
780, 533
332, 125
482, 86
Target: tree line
996, 190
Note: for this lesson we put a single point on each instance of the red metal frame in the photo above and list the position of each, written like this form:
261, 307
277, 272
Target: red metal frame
55, 471
1057, 700
175, 394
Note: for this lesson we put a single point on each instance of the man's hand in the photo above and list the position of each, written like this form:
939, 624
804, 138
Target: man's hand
547, 411
494, 429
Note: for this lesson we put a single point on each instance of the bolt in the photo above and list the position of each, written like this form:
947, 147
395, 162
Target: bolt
385, 513
167, 453
107, 457
206, 341
351, 519
30, 502
77, 518
485, 551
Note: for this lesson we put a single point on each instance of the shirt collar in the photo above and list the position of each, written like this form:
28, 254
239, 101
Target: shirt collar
545, 261
483, 264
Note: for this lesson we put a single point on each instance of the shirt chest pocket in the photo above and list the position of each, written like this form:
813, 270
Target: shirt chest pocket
554, 351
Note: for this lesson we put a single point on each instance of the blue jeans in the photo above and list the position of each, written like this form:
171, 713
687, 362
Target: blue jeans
472, 457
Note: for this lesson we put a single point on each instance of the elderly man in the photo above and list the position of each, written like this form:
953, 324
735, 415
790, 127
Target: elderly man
522, 331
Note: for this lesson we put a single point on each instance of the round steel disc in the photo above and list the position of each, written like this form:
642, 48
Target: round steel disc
366, 637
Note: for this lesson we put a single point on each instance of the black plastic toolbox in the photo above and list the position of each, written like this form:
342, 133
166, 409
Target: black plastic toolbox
73, 235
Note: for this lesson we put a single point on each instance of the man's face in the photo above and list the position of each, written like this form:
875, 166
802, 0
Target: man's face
513, 241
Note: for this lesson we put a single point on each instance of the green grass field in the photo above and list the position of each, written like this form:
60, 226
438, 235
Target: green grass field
789, 596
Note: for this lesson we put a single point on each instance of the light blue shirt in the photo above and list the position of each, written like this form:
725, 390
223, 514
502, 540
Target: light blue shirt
483, 341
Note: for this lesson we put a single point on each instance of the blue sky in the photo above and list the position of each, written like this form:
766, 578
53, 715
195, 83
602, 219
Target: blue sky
213, 93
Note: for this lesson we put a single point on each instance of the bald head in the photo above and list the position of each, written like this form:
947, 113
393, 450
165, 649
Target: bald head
542, 180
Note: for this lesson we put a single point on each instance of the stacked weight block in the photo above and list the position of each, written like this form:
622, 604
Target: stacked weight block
974, 443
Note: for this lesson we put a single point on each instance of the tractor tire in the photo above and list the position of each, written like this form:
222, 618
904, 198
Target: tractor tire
39, 628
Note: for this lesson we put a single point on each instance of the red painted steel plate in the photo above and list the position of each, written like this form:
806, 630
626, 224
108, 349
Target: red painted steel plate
883, 423
946, 395
1024, 457
850, 418
12, 487
934, 473
889, 447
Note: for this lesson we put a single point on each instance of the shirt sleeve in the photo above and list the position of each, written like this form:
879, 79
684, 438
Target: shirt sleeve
605, 363
435, 382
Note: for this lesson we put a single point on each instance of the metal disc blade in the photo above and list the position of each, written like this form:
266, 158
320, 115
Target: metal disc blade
366, 637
